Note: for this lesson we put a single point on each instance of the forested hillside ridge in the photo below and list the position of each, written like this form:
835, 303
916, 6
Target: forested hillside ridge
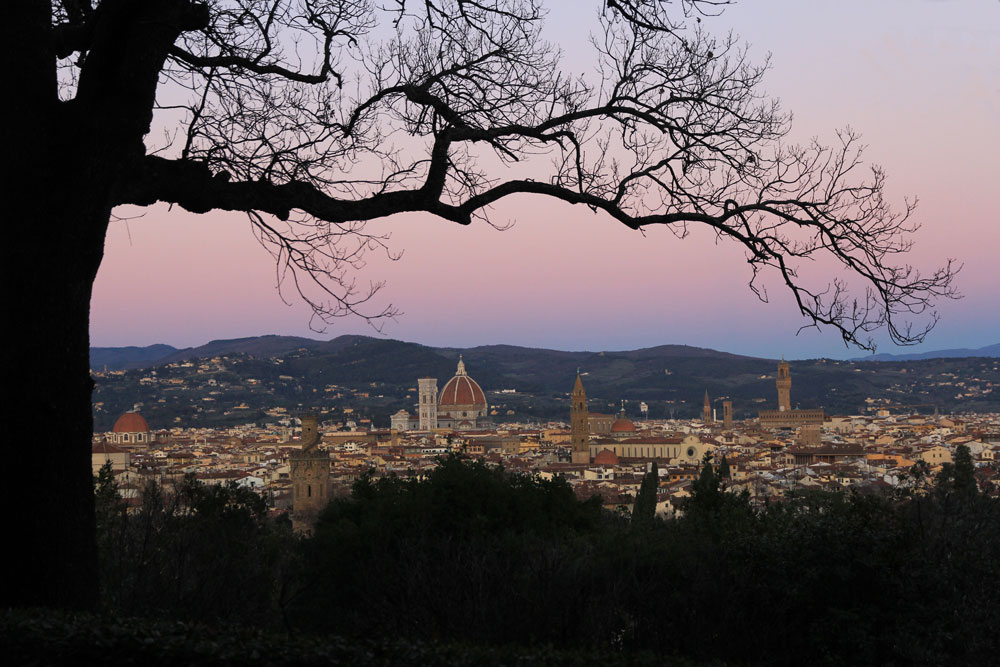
122, 358
986, 351
241, 381
471, 554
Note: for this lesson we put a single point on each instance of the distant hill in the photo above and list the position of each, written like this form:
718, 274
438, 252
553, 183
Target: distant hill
256, 346
988, 351
374, 377
121, 358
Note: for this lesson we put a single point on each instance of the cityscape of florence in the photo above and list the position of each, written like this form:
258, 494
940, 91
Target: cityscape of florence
506, 332
302, 455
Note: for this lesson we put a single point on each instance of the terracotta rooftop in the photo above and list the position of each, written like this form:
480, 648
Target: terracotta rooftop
131, 422
461, 390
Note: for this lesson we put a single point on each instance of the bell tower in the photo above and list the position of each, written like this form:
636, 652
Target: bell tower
579, 419
428, 397
706, 410
784, 383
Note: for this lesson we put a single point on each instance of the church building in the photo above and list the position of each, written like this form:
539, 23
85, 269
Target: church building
460, 406
131, 432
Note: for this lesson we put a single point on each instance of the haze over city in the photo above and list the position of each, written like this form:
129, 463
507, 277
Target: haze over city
919, 80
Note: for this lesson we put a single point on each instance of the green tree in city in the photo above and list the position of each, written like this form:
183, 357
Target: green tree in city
107, 498
723, 468
705, 492
960, 475
644, 510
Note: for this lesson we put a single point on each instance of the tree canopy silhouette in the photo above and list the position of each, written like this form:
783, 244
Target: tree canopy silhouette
315, 116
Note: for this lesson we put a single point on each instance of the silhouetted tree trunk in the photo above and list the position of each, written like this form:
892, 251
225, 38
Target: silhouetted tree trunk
53, 257
70, 157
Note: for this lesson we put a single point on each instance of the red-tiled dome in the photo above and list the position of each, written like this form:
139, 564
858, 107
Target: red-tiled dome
606, 457
622, 425
461, 390
131, 422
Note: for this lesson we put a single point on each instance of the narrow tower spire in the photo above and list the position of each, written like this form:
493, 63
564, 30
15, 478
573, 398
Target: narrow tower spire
579, 419
784, 383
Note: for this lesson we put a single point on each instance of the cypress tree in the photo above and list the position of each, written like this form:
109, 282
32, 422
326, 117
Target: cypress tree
644, 510
705, 493
963, 472
724, 468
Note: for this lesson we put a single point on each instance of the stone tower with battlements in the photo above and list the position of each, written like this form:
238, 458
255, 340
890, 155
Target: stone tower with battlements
727, 414
428, 397
784, 383
579, 419
310, 476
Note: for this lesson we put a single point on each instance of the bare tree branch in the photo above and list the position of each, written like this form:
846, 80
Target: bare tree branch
323, 114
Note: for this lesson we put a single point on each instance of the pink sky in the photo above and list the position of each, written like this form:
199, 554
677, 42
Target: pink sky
919, 79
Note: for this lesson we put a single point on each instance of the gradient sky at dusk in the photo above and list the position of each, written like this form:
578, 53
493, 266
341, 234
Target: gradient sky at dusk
920, 79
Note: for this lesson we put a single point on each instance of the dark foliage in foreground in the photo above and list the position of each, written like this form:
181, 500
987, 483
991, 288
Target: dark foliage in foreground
45, 637
473, 554
198, 553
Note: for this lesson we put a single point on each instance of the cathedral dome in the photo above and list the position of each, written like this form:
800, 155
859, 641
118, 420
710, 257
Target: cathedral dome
462, 390
623, 425
606, 457
131, 422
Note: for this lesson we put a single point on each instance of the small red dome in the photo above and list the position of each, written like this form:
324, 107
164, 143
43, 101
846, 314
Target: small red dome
131, 422
606, 457
622, 425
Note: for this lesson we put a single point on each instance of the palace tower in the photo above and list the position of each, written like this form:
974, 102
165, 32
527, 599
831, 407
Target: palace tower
784, 416
784, 383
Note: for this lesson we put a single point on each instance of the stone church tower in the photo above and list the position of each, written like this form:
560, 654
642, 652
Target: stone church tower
706, 410
579, 419
310, 477
727, 415
784, 383
428, 397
